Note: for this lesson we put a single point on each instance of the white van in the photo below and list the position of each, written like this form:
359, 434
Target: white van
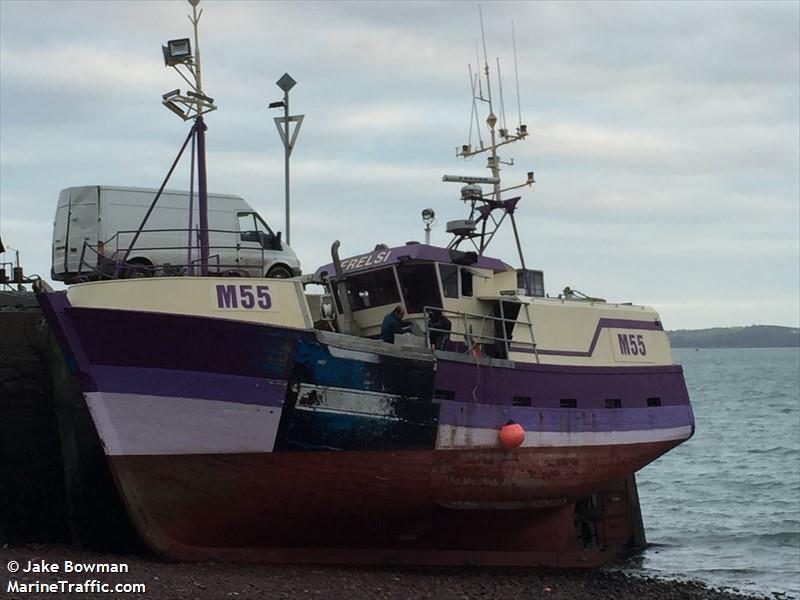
95, 225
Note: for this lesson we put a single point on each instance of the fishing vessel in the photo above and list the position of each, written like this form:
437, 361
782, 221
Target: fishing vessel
251, 419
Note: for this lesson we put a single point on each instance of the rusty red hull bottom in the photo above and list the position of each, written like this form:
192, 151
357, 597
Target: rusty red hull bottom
490, 507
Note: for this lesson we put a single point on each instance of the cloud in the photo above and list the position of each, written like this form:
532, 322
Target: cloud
665, 136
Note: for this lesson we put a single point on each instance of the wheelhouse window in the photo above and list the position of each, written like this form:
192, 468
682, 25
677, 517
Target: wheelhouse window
376, 288
420, 288
466, 282
449, 276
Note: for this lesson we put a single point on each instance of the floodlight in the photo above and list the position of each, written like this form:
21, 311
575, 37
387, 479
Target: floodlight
175, 108
279, 104
201, 97
177, 52
428, 215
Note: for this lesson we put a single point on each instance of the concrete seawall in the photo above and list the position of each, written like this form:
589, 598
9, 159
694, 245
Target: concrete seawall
32, 494
55, 485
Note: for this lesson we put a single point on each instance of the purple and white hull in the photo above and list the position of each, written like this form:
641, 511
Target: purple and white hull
266, 433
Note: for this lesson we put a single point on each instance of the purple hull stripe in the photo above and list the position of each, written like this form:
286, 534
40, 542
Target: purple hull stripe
190, 384
601, 324
545, 386
53, 306
126, 338
565, 420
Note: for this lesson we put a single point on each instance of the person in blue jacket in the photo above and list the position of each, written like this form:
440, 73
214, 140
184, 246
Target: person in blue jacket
393, 324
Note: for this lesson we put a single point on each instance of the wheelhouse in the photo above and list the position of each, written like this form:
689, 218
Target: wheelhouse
482, 297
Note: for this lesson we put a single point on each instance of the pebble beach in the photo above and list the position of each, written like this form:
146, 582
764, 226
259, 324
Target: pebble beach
207, 581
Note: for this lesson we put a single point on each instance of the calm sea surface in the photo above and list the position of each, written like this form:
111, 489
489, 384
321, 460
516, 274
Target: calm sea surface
724, 507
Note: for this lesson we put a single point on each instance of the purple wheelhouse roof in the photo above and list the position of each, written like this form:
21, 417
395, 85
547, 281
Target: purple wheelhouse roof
383, 256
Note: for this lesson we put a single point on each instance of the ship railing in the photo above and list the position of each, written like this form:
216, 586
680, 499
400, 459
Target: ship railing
472, 322
105, 260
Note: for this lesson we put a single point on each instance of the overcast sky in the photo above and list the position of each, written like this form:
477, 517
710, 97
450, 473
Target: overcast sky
665, 135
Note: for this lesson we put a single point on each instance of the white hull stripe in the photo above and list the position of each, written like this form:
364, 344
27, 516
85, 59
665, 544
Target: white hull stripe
136, 424
454, 437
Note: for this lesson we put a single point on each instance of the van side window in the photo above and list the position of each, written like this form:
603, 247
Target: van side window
247, 227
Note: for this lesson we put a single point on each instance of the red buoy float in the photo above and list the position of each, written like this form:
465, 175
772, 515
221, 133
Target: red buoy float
512, 435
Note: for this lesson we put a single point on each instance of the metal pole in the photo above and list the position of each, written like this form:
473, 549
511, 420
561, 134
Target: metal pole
286, 151
286, 83
519, 248
190, 242
202, 193
197, 76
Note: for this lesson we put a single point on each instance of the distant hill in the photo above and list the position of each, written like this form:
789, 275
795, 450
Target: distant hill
755, 336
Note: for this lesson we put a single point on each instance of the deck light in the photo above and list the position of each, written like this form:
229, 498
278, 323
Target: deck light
428, 217
176, 109
200, 97
177, 52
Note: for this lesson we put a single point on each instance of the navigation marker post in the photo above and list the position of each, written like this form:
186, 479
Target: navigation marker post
286, 83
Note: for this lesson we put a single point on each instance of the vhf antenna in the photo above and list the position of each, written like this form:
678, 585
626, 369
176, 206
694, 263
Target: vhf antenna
516, 73
466, 150
482, 205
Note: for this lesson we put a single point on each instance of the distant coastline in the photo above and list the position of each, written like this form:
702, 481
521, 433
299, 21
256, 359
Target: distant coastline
754, 336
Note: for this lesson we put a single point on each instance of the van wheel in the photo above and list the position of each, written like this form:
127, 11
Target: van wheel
279, 272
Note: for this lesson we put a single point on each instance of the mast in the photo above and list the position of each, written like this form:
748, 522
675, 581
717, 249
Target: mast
491, 120
191, 106
200, 131
483, 205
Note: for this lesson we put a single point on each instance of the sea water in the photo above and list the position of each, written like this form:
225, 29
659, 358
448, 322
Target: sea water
724, 507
